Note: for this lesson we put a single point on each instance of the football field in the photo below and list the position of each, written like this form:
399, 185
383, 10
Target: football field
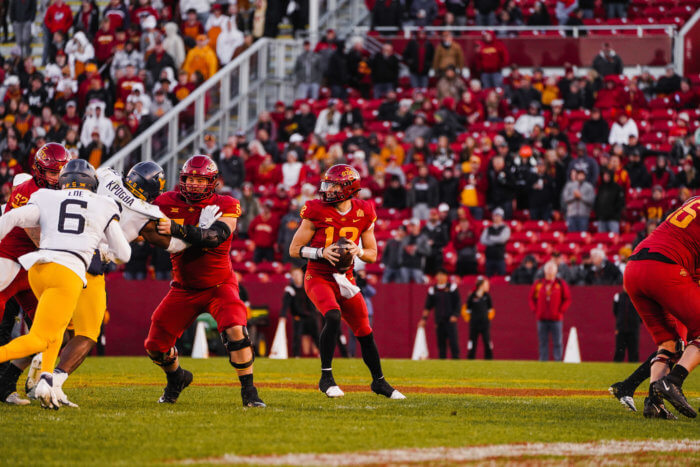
456, 411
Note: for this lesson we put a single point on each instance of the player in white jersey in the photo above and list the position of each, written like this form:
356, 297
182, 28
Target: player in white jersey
144, 183
73, 221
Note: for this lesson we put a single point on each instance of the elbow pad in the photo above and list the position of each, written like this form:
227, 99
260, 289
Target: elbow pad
206, 238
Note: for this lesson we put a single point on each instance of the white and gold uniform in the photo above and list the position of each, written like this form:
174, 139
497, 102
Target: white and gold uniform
73, 223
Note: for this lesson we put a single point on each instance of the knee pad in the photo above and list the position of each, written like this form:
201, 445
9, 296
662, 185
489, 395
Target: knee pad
163, 359
232, 346
333, 318
665, 356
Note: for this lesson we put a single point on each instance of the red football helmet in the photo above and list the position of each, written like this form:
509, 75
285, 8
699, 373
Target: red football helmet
344, 176
50, 157
198, 166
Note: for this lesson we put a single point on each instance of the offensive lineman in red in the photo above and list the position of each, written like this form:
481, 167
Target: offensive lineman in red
14, 282
659, 280
338, 214
203, 280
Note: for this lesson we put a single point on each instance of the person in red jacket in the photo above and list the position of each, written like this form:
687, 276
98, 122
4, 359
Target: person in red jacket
491, 57
58, 17
263, 232
105, 42
549, 299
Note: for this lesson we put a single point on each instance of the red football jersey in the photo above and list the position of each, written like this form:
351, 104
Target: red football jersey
331, 225
17, 242
656, 209
195, 267
678, 237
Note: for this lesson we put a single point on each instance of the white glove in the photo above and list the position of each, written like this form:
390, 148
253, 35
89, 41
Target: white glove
209, 215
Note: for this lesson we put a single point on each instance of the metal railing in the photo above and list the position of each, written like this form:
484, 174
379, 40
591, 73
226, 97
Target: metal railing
229, 101
576, 31
341, 15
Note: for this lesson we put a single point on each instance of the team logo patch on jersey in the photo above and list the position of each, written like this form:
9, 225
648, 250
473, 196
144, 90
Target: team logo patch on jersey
684, 273
360, 213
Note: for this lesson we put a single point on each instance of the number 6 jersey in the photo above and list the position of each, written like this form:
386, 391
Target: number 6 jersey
73, 223
330, 225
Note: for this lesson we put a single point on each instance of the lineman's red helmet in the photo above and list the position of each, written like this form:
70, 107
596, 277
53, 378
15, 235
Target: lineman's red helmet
344, 176
50, 157
198, 166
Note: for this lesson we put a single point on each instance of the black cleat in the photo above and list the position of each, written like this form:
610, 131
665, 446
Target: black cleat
381, 387
328, 386
250, 397
620, 392
674, 394
172, 391
654, 408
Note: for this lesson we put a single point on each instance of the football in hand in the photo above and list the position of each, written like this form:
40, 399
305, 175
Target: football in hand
343, 249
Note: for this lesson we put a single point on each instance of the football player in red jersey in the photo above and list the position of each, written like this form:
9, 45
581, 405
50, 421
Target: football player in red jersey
339, 214
660, 281
14, 282
203, 280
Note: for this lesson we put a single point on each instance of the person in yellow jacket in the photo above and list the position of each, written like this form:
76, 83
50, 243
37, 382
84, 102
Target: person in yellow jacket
201, 58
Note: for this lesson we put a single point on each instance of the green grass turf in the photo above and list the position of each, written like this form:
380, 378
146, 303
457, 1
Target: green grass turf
119, 420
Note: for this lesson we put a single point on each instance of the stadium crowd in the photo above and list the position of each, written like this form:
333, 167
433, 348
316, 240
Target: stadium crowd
493, 173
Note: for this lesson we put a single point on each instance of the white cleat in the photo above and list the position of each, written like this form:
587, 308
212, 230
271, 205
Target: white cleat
397, 395
45, 394
63, 399
334, 392
14, 399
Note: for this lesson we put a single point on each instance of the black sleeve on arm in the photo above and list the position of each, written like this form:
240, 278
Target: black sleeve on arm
196, 236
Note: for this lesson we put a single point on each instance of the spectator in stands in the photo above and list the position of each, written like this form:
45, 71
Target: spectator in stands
661, 174
250, 209
501, 186
231, 168
450, 85
541, 192
622, 129
511, 134
601, 271
174, 45
550, 298
419, 129
669, 83
626, 328
576, 20
682, 148
464, 240
578, 197
637, 170
263, 233
423, 12
137, 267
418, 55
394, 194
588, 8
415, 248
443, 298
688, 177
307, 73
612, 95
438, 235
540, 16
609, 203
685, 97
22, 15
387, 14
58, 18
486, 12
306, 120
494, 238
423, 193
527, 121
229, 41
525, 95
449, 188
328, 121
525, 272
336, 72
607, 62
392, 257
574, 96
458, 9
448, 53
491, 58
201, 58
287, 228
564, 9
596, 130
385, 71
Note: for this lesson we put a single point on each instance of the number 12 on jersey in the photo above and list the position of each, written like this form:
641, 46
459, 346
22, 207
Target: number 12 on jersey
351, 233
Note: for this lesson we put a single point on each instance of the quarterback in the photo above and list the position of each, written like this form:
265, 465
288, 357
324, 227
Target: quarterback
339, 218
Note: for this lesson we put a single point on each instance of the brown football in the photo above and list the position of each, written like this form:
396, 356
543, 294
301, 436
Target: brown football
345, 261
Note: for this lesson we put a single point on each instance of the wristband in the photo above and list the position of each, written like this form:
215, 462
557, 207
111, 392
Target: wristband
361, 253
311, 253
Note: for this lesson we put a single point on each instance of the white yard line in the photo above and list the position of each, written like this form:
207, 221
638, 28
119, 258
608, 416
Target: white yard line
463, 454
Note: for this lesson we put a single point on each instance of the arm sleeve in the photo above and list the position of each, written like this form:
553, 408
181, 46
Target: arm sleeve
485, 238
118, 245
25, 216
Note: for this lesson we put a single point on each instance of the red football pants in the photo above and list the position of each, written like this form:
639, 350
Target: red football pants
666, 298
20, 289
180, 307
325, 295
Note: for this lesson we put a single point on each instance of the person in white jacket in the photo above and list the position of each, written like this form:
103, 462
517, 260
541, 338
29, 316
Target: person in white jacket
527, 122
79, 49
173, 44
96, 119
622, 129
228, 41
328, 121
